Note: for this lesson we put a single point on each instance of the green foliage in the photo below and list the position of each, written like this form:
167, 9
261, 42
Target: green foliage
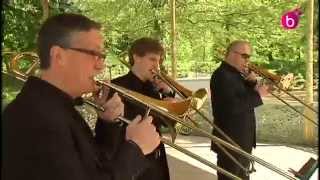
204, 29
21, 22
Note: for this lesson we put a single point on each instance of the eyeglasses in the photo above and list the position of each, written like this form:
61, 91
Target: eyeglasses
87, 51
243, 55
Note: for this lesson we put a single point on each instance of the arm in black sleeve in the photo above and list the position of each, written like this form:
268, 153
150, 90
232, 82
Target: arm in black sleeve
109, 136
251, 84
120, 158
254, 97
233, 94
49, 151
128, 162
171, 94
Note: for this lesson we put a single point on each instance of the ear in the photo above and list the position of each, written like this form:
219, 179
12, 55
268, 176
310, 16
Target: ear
226, 56
57, 56
136, 59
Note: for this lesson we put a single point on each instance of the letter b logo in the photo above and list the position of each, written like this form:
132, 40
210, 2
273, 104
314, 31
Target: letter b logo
290, 20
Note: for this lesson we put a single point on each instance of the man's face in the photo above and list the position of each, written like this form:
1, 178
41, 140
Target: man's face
146, 65
84, 60
239, 57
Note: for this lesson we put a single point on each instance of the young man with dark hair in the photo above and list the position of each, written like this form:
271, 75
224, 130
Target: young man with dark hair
44, 137
145, 56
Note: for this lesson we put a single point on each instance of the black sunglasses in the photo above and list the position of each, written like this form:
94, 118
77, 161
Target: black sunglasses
243, 55
87, 51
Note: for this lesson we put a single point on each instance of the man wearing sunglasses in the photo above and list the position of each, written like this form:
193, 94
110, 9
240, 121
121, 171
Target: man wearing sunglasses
45, 138
234, 95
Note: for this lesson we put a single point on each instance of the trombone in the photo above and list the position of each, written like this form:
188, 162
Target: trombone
282, 83
162, 111
183, 92
159, 109
199, 97
186, 93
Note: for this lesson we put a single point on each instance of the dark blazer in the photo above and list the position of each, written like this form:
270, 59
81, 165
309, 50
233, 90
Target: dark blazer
158, 169
44, 137
233, 102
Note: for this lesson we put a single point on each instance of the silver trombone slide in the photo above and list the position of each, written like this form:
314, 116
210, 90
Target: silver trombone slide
127, 94
189, 153
180, 149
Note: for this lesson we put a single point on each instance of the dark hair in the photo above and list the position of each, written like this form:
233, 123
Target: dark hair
58, 30
236, 43
143, 46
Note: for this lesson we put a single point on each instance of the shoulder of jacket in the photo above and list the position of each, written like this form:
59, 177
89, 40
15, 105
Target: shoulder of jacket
120, 79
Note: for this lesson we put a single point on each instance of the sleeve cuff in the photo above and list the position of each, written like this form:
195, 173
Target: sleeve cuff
169, 94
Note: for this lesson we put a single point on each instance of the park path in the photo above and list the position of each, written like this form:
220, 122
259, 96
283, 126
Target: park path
183, 167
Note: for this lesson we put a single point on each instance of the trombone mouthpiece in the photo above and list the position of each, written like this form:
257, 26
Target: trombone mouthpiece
156, 75
156, 71
98, 81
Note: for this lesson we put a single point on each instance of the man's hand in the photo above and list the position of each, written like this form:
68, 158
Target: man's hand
161, 86
101, 96
251, 77
143, 133
113, 107
263, 90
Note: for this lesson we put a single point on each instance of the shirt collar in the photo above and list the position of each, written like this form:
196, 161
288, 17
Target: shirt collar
229, 67
138, 83
44, 88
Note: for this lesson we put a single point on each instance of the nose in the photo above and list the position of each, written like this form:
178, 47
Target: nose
157, 64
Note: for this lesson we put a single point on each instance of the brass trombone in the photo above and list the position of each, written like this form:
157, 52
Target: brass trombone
199, 97
282, 83
170, 114
14, 65
162, 111
201, 94
186, 93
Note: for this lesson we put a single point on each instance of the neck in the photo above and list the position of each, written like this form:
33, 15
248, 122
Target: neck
137, 72
55, 80
230, 63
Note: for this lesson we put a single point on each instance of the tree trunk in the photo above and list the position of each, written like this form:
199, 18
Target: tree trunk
309, 128
45, 10
173, 39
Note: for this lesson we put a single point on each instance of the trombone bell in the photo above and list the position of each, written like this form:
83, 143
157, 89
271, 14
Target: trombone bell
199, 98
286, 81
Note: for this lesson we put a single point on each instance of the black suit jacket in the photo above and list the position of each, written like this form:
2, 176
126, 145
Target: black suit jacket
158, 166
44, 137
233, 102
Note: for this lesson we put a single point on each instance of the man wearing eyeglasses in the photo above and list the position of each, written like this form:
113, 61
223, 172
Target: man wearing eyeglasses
234, 95
45, 138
